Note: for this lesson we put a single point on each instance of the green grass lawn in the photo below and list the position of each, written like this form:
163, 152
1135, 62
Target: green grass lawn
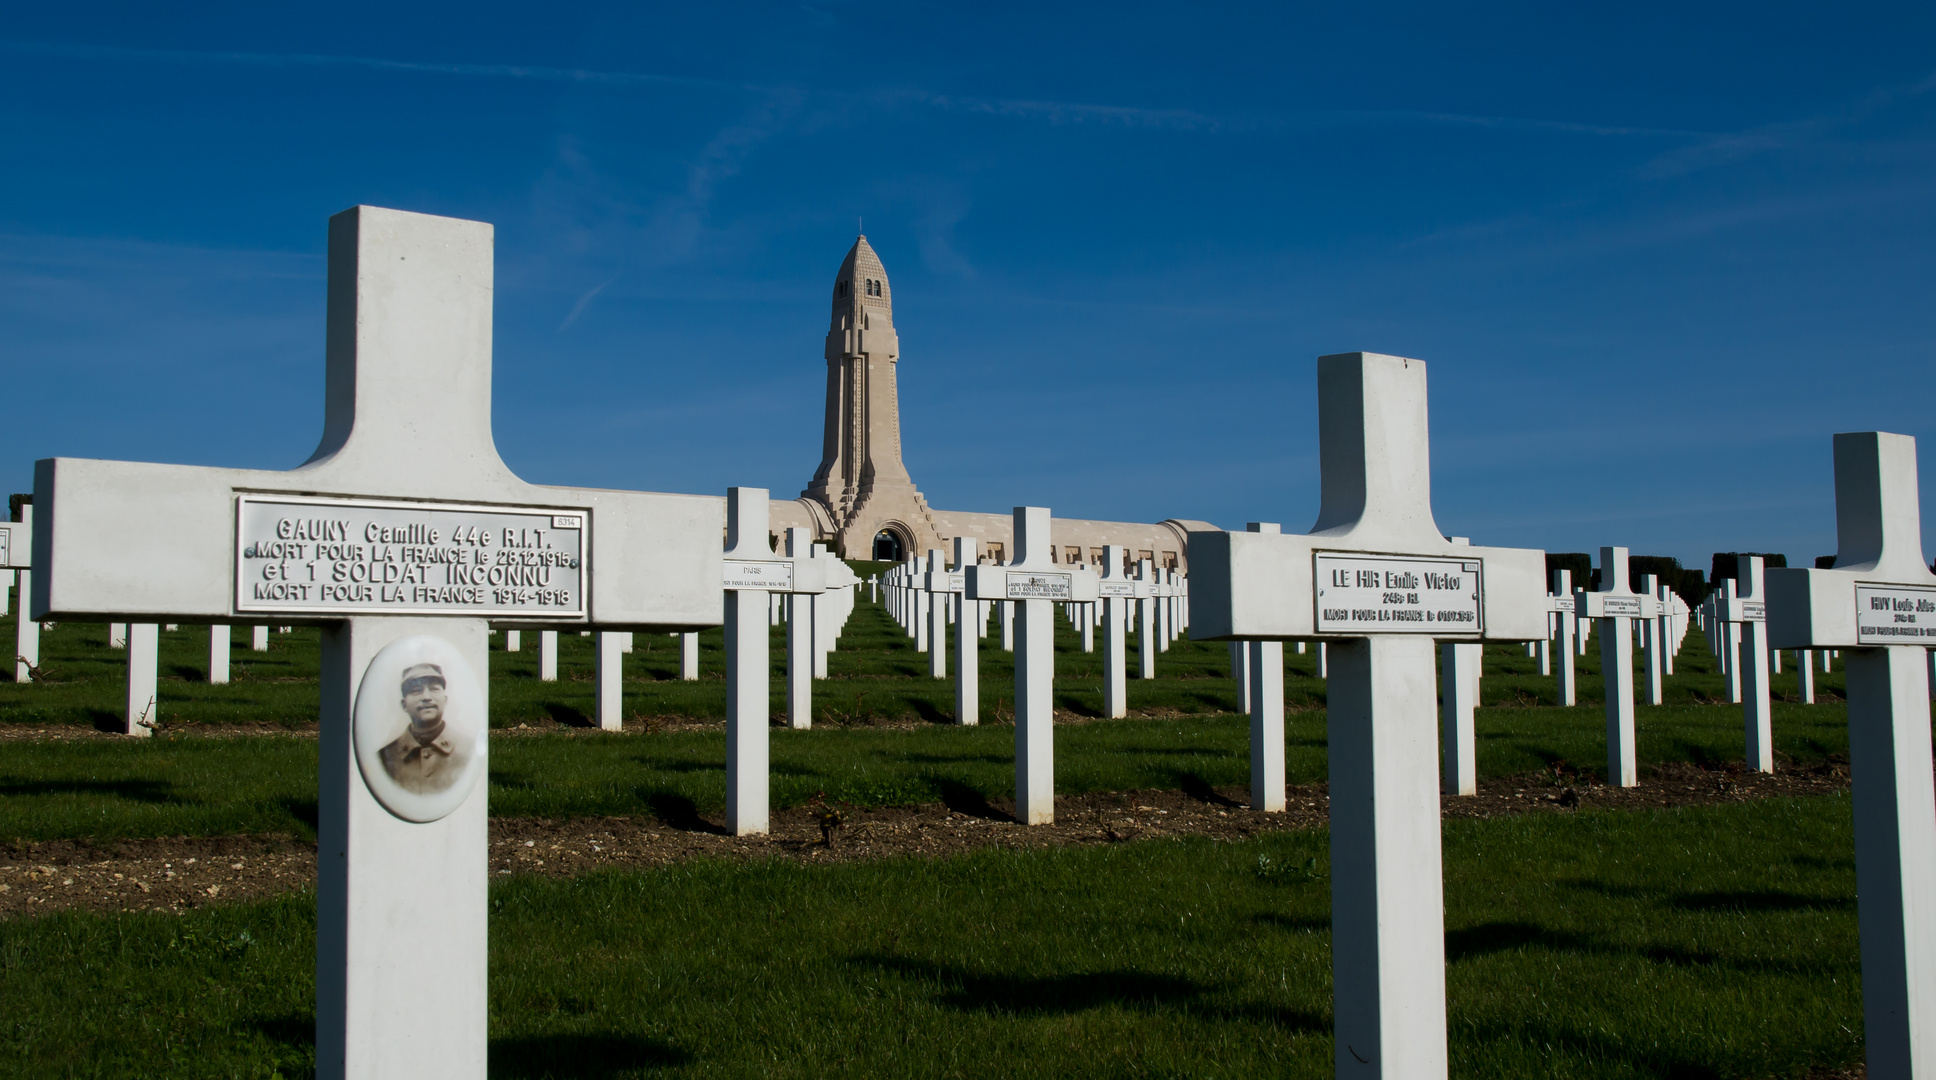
211, 786
1710, 942
252, 783
876, 673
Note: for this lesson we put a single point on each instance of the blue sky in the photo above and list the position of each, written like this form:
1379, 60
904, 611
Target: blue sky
1654, 256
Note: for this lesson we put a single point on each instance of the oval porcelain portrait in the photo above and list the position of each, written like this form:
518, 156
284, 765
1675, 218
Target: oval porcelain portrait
418, 728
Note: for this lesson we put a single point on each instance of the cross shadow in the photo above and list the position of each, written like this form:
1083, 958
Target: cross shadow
1298, 923
568, 716
104, 720
679, 812
1199, 789
305, 811
930, 712
963, 799
1049, 995
291, 1030
189, 673
584, 1057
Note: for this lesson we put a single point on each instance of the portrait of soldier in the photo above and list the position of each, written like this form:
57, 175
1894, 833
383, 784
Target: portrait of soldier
424, 759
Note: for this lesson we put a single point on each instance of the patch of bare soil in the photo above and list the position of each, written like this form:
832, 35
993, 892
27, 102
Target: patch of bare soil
172, 874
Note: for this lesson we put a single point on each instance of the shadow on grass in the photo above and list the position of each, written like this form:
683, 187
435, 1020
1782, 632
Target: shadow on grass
566, 715
590, 1056
305, 811
1064, 995
148, 791
681, 813
1199, 789
963, 799
296, 1029
1049, 995
188, 672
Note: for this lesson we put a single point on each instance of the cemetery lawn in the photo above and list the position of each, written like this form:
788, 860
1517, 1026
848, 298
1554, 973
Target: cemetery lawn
1712, 941
111, 788
883, 734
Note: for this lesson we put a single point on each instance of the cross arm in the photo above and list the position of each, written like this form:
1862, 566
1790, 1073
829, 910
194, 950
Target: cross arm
1263, 586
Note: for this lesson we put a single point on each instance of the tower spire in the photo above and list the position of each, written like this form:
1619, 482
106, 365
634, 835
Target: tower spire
861, 479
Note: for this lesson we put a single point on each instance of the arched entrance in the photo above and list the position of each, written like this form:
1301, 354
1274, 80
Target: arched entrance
888, 546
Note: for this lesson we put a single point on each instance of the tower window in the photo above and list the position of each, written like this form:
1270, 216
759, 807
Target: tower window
840, 288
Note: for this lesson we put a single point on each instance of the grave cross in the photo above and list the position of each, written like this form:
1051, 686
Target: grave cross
404, 536
1264, 700
947, 584
1616, 605
1565, 620
1146, 600
1879, 602
1118, 594
1033, 582
1743, 609
752, 575
935, 585
1375, 578
20, 547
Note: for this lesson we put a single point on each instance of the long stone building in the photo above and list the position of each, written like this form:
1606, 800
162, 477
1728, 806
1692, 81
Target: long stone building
862, 502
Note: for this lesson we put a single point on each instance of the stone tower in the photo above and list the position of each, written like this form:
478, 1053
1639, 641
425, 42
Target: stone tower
861, 481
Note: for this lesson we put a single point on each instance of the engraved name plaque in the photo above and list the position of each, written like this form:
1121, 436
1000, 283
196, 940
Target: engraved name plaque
1895, 615
1118, 588
759, 576
1619, 607
1030, 586
358, 556
1396, 594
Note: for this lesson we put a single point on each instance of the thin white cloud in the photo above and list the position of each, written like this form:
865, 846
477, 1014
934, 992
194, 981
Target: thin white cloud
1053, 112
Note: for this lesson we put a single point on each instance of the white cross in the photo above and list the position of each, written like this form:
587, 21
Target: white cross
1375, 578
752, 574
1615, 604
934, 572
1459, 696
404, 536
1264, 700
1147, 591
1117, 591
1879, 603
1035, 582
1565, 618
943, 584
1742, 609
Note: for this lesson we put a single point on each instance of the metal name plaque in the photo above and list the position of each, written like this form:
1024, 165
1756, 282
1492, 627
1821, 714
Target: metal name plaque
1038, 586
1895, 615
742, 575
1563, 603
1397, 594
1117, 588
365, 557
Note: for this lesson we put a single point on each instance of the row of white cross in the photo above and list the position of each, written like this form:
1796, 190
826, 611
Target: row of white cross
409, 321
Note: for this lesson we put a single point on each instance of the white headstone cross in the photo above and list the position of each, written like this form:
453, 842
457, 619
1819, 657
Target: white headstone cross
1375, 578
1118, 596
1458, 699
17, 557
1879, 603
404, 536
944, 584
1264, 701
1033, 582
1744, 605
751, 574
1616, 605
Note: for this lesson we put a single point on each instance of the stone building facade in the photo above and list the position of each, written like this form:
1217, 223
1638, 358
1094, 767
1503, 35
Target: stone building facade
862, 502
